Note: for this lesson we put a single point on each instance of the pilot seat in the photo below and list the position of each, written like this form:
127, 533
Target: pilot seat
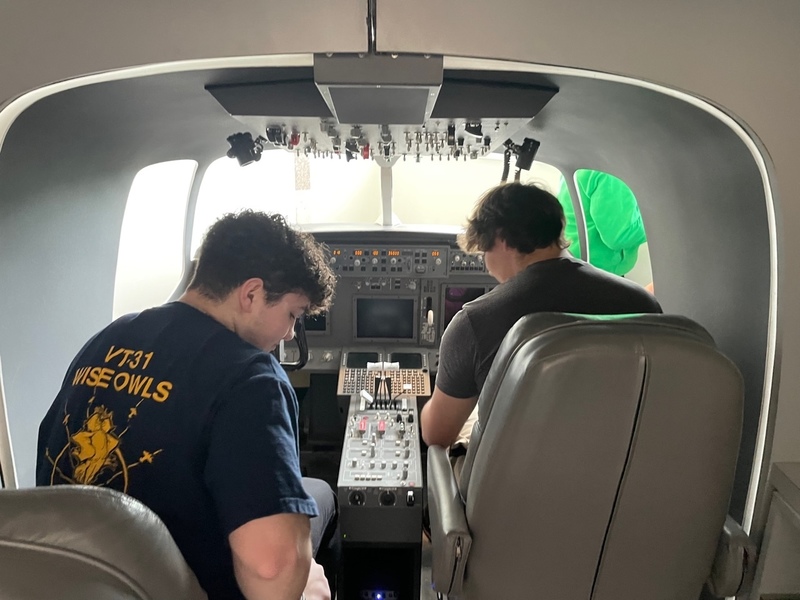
74, 542
601, 467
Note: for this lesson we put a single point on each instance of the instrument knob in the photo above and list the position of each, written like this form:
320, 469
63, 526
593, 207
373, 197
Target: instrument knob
387, 498
357, 498
357, 262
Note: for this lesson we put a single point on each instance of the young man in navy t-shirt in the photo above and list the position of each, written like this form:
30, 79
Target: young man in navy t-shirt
183, 407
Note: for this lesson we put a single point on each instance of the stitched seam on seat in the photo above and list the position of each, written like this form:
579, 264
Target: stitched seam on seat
623, 474
80, 556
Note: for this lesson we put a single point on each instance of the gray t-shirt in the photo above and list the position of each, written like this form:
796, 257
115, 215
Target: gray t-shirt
563, 284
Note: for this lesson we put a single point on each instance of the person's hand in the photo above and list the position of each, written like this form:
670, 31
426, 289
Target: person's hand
317, 586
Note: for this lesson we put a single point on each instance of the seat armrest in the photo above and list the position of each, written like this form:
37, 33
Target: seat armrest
734, 563
450, 537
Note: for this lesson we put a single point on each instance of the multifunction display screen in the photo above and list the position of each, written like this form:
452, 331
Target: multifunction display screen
385, 318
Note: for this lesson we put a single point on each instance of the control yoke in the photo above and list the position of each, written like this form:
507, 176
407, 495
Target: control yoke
302, 345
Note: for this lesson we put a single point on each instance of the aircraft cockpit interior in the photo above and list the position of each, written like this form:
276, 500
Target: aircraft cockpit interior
109, 181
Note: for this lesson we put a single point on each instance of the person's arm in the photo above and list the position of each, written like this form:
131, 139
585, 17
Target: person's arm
272, 556
615, 212
443, 416
253, 473
317, 587
456, 392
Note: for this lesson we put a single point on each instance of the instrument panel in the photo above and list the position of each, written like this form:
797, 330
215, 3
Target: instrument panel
396, 292
395, 261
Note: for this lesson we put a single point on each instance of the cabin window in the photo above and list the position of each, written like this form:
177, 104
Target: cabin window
303, 189
150, 258
445, 192
613, 224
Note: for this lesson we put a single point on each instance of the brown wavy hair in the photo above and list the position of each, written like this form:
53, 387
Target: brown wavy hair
525, 216
248, 244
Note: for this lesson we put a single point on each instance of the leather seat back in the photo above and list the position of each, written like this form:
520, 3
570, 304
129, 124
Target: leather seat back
87, 543
603, 460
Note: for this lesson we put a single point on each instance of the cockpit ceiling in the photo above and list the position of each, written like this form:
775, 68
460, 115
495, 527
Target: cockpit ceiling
369, 112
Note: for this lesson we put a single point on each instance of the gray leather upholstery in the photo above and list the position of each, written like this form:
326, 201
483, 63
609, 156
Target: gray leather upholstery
601, 466
449, 530
87, 543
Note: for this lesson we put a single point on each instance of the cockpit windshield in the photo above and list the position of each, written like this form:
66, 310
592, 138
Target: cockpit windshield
324, 193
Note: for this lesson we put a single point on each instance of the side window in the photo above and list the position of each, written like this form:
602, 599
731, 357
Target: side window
150, 257
614, 227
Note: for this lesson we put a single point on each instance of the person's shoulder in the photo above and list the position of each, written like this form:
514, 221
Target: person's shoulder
213, 343
554, 267
257, 362
169, 311
239, 368
486, 302
245, 359
638, 293
585, 269
614, 281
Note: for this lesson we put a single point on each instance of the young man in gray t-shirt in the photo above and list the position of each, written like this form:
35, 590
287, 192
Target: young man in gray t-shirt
519, 228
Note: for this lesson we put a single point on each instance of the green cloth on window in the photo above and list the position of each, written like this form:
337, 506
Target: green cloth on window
614, 225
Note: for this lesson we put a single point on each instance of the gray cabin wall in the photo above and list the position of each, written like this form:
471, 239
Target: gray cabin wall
65, 173
59, 231
701, 195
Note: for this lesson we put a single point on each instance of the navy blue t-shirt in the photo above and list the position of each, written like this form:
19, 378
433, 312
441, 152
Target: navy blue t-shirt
172, 408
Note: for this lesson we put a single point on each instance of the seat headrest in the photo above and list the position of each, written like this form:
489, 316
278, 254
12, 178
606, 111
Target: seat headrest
570, 328
538, 324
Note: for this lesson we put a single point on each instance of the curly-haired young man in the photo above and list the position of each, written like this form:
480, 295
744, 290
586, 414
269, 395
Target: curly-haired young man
183, 407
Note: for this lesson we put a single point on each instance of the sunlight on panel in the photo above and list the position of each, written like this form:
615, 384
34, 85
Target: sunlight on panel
150, 261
